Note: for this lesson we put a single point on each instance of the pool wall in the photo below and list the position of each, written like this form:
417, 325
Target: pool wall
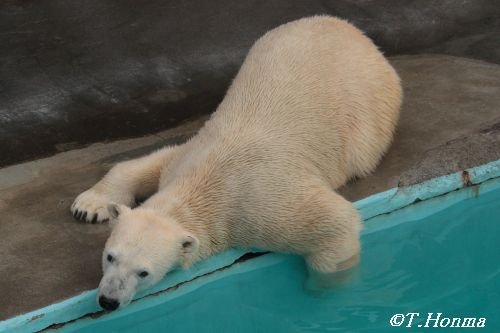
451, 188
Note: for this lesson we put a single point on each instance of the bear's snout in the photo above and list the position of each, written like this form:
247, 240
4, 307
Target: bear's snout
108, 303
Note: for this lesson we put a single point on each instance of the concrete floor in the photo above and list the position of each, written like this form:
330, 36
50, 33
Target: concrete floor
450, 121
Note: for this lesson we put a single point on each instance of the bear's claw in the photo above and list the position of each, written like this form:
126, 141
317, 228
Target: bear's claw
79, 215
91, 207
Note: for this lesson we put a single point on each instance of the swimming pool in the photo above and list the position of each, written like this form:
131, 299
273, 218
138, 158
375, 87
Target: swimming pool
440, 255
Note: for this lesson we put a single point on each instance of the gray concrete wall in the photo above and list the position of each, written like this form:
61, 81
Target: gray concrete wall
77, 72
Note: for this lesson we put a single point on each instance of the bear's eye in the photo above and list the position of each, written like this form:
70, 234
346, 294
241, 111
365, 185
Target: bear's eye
143, 274
110, 258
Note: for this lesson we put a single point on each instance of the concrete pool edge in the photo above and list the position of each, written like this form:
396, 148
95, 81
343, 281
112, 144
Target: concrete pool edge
372, 206
399, 197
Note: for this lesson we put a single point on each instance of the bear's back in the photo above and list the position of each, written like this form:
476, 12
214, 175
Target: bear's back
318, 87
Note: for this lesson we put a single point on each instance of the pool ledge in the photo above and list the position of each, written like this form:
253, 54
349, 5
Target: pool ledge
370, 207
399, 197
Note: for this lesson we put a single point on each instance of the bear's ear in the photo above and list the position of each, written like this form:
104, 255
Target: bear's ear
116, 210
189, 243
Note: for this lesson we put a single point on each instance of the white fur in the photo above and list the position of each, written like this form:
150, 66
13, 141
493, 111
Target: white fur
313, 105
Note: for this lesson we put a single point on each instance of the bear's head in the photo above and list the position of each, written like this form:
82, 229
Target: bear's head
142, 248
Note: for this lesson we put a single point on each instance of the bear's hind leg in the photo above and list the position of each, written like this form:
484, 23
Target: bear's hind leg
126, 181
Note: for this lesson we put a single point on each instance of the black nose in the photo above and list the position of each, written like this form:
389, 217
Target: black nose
108, 303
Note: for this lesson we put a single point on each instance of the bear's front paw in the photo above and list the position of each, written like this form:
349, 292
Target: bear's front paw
91, 206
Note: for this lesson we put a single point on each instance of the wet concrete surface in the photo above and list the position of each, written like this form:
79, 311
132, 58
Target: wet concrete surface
79, 72
450, 121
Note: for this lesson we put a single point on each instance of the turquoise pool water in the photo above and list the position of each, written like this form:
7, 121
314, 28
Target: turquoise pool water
446, 262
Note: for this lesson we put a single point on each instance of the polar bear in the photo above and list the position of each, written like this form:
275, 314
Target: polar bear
313, 105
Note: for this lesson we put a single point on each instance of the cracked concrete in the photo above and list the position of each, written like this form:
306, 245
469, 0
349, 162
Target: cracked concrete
450, 121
